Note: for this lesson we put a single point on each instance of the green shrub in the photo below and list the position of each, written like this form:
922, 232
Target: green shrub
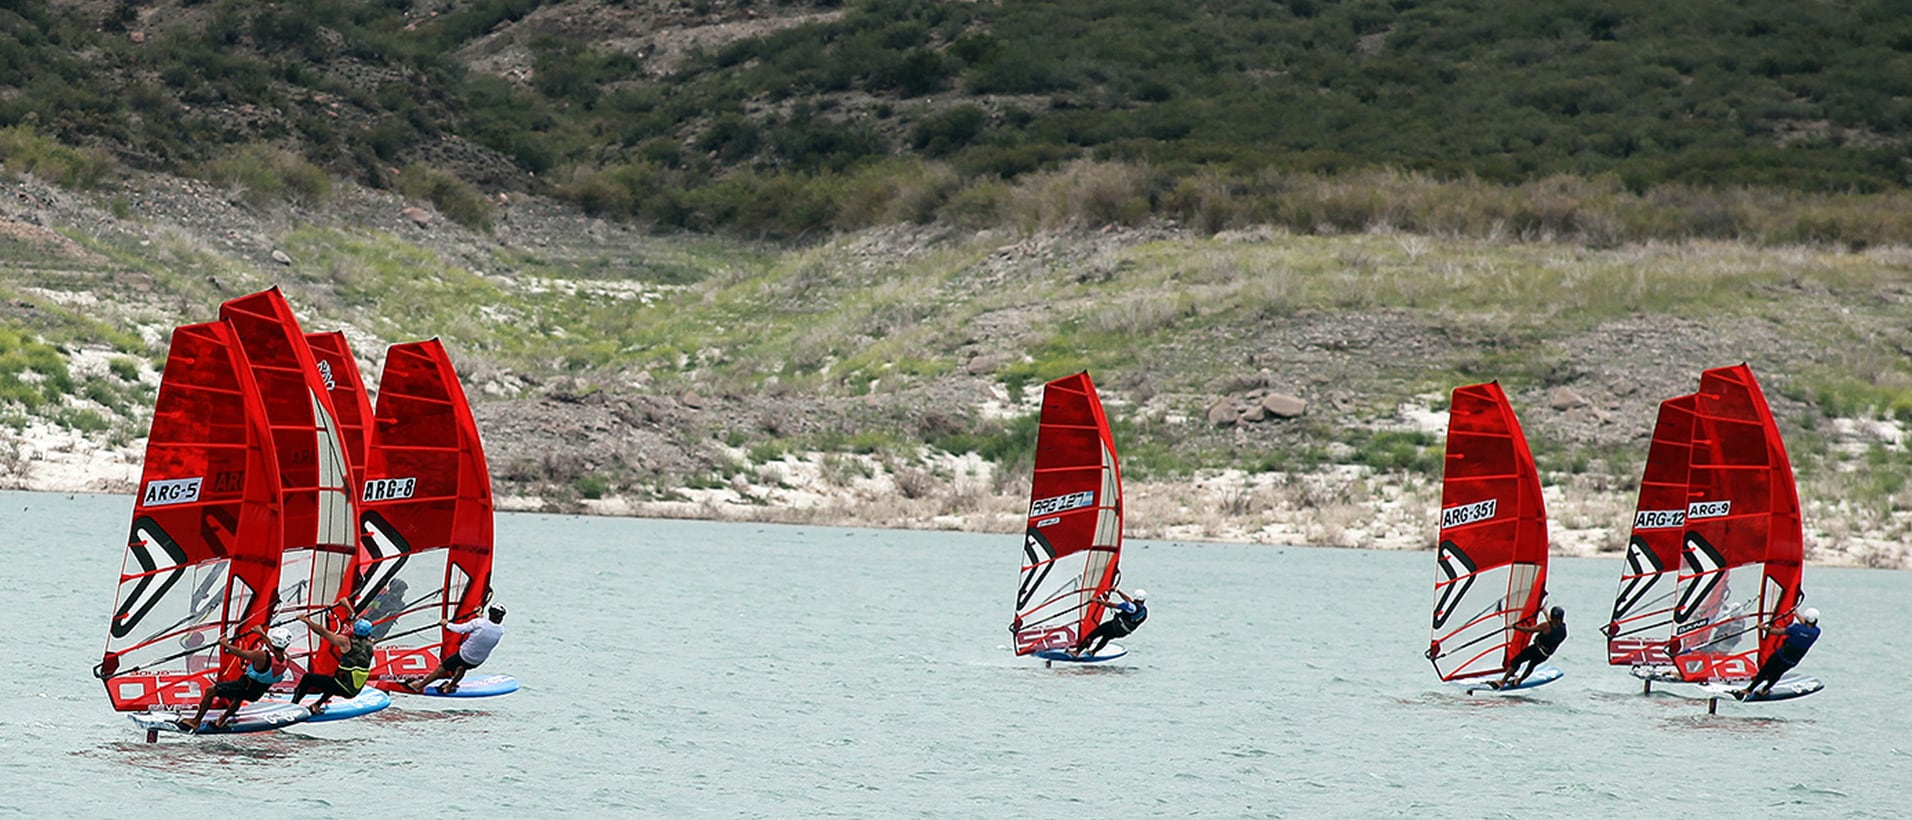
591, 485
457, 199
267, 173
22, 151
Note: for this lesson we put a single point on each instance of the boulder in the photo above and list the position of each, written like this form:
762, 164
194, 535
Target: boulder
1284, 406
418, 216
1222, 413
1564, 398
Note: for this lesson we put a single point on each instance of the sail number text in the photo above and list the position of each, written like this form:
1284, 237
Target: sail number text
1708, 509
387, 489
1468, 513
1062, 503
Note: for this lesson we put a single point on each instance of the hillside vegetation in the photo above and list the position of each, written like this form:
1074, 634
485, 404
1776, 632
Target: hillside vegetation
700, 115
809, 261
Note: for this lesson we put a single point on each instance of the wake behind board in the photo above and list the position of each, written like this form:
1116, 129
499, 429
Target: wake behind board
368, 700
1656, 672
1789, 686
1479, 686
484, 686
261, 716
1108, 653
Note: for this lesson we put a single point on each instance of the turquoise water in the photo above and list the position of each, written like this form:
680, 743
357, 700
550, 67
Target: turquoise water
690, 668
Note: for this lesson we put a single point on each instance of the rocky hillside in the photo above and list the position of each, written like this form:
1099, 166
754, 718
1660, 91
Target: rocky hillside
1266, 386
809, 261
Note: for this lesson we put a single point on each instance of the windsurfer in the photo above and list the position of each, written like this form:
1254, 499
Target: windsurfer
355, 663
481, 635
1548, 636
384, 609
1800, 636
264, 667
1127, 616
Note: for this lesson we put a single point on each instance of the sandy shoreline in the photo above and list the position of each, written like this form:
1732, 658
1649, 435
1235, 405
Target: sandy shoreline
1346, 506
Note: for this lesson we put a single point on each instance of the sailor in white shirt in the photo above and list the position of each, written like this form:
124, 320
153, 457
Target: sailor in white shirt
481, 636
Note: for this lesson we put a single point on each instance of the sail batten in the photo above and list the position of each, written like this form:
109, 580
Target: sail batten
425, 522
1491, 562
1743, 541
313, 472
1072, 545
1642, 618
205, 534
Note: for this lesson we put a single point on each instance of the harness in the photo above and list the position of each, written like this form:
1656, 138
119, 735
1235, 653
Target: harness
275, 672
355, 664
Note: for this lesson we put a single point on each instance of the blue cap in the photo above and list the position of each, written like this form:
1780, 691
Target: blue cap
361, 627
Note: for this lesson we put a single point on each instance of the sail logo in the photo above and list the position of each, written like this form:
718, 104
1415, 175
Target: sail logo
1037, 557
170, 491
1642, 573
1456, 577
325, 375
161, 562
389, 489
387, 551
1062, 503
1701, 597
1659, 519
1708, 509
1468, 513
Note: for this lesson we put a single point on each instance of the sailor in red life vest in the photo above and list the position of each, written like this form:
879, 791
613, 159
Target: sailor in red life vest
1127, 616
481, 636
264, 667
1799, 638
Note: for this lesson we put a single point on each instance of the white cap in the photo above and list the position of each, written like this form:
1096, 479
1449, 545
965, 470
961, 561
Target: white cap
279, 637
1140, 595
1809, 615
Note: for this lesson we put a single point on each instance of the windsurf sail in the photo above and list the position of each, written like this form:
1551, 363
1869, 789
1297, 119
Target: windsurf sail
339, 374
320, 552
1491, 566
1743, 542
202, 557
425, 514
1073, 544
1642, 619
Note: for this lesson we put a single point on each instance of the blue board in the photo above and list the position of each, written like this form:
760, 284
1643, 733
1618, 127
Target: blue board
369, 700
482, 686
262, 716
1108, 653
1479, 686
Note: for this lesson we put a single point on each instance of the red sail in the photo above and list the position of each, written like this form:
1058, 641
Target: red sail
1073, 543
339, 371
202, 558
1642, 617
1491, 566
426, 514
320, 552
1743, 542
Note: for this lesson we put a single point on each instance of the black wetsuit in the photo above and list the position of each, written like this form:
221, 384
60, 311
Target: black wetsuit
1799, 638
1122, 624
1543, 647
355, 664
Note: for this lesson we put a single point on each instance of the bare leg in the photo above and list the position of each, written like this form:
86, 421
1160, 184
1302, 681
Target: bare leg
452, 685
204, 704
231, 710
418, 686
